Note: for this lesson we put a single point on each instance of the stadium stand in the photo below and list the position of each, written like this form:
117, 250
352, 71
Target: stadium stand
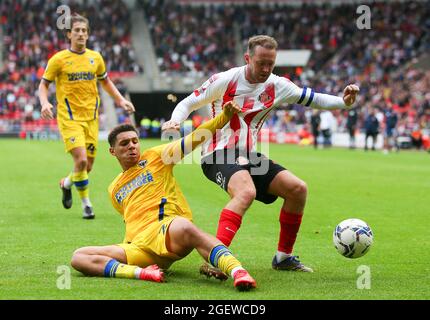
30, 38
194, 39
381, 60
190, 39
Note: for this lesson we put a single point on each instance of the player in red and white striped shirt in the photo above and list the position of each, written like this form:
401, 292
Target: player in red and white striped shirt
230, 159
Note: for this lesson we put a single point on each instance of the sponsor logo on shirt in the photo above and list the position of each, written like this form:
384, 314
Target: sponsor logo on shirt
78, 76
137, 182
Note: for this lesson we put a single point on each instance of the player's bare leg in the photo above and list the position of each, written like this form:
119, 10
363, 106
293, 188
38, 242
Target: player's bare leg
294, 192
183, 236
90, 163
111, 261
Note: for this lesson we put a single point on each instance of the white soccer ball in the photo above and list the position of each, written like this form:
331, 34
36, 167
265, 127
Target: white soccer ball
352, 238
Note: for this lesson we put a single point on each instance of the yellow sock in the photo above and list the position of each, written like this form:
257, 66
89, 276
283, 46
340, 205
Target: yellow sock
80, 179
115, 269
221, 257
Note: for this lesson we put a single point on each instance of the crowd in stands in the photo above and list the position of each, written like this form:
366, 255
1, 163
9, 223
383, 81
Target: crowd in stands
191, 39
31, 37
204, 40
378, 59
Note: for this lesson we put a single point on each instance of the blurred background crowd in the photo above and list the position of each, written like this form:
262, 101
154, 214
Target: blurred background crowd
390, 61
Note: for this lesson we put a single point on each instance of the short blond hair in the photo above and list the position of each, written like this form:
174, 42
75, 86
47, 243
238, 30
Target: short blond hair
267, 42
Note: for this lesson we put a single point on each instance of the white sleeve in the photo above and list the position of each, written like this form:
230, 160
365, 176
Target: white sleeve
210, 91
327, 102
309, 98
184, 108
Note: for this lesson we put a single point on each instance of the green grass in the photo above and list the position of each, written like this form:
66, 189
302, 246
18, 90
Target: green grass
390, 192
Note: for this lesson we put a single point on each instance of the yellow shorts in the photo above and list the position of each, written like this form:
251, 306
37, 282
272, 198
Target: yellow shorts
149, 247
80, 134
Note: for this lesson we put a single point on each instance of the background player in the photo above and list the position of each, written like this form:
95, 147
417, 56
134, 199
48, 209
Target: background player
156, 214
76, 72
258, 91
351, 124
390, 132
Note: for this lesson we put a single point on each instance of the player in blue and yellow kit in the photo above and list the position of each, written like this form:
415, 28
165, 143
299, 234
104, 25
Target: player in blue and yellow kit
157, 216
75, 72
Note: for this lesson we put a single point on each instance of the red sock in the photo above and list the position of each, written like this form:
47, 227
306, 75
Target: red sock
229, 223
290, 224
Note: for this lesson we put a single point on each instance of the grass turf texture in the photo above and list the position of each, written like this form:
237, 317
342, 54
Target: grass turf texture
390, 192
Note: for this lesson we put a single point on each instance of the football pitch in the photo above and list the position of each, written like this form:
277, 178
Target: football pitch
390, 192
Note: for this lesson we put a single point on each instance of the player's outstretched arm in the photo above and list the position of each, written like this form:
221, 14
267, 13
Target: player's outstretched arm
330, 102
309, 98
110, 88
180, 148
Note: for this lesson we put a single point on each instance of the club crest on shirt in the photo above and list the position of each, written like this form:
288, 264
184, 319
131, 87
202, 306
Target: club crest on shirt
91, 60
264, 97
72, 140
142, 163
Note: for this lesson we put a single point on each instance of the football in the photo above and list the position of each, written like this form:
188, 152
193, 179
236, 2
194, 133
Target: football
352, 238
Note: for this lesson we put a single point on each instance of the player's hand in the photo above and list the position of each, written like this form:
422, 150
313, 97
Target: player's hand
350, 94
170, 125
230, 108
46, 112
127, 106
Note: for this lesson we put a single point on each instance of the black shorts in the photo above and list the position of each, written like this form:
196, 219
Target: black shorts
222, 164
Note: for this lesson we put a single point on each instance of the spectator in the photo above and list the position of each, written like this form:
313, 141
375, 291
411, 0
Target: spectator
145, 127
351, 124
315, 124
372, 128
390, 134
417, 137
327, 125
155, 128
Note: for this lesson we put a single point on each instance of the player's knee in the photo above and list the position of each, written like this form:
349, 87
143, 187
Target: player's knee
189, 231
76, 260
299, 190
246, 196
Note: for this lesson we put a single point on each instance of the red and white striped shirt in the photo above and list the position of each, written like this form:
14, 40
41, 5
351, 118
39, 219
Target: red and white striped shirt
256, 100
